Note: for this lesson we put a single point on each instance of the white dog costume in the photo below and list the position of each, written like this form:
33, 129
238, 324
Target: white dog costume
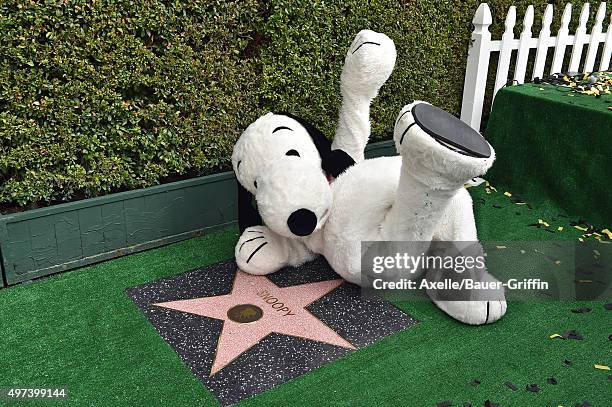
314, 201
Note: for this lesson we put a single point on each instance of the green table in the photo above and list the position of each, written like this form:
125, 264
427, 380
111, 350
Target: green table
553, 143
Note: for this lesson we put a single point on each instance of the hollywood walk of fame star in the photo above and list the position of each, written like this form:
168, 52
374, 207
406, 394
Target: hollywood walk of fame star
257, 307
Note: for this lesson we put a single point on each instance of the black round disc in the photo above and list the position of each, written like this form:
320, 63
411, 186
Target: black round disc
447, 128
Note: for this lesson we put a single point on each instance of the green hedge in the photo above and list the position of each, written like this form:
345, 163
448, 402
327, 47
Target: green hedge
111, 95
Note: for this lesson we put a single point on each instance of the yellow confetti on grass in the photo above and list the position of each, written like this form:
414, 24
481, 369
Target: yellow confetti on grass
560, 228
601, 367
607, 231
501, 247
553, 336
580, 228
541, 222
508, 194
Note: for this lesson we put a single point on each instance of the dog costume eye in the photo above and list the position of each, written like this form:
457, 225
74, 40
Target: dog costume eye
255, 183
292, 152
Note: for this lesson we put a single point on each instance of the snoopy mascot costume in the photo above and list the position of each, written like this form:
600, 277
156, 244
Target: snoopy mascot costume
314, 197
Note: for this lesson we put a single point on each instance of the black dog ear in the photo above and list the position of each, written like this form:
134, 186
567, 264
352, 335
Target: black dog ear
247, 214
337, 162
333, 162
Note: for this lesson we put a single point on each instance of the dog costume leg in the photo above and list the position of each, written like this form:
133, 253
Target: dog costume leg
261, 251
436, 163
431, 176
367, 66
459, 227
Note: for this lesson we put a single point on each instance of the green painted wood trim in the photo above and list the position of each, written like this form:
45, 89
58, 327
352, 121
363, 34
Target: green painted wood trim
44, 241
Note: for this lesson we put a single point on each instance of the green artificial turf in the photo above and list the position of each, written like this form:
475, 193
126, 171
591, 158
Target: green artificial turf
80, 331
563, 137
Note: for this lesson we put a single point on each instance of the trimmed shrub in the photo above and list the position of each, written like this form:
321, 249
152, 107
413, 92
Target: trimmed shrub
120, 94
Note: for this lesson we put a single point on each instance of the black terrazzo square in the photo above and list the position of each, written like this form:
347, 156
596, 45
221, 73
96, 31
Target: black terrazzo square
254, 333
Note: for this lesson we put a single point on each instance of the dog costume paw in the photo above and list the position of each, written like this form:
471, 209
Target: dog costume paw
368, 64
260, 251
474, 312
438, 148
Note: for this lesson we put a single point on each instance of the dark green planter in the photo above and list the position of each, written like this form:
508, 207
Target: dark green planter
63, 237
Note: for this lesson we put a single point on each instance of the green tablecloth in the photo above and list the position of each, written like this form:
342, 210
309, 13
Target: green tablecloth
554, 146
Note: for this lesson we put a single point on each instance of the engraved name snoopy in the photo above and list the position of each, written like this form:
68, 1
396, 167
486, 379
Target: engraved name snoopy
275, 303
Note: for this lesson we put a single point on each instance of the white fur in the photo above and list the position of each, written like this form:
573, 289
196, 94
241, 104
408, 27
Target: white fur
367, 67
259, 145
417, 196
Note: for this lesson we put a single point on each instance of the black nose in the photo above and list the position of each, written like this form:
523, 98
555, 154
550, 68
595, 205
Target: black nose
302, 222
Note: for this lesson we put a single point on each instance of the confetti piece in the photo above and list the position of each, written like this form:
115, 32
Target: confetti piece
583, 310
523, 251
508, 194
541, 222
501, 247
551, 380
601, 367
558, 262
553, 336
534, 388
580, 228
560, 228
511, 386
573, 334
607, 233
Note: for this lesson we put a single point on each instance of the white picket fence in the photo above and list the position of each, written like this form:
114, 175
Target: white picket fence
482, 46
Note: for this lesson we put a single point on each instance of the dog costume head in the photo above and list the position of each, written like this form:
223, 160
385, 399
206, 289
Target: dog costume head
272, 150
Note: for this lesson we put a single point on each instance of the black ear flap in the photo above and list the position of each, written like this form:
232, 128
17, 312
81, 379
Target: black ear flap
333, 162
337, 162
247, 214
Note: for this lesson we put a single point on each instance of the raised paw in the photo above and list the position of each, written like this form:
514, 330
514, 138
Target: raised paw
439, 147
368, 64
259, 251
474, 312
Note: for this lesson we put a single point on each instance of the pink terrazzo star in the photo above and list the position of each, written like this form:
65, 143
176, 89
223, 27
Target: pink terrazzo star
257, 307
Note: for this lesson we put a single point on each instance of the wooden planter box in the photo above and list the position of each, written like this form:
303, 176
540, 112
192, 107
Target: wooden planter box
63, 237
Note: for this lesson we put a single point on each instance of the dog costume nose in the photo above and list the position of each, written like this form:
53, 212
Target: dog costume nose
302, 222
